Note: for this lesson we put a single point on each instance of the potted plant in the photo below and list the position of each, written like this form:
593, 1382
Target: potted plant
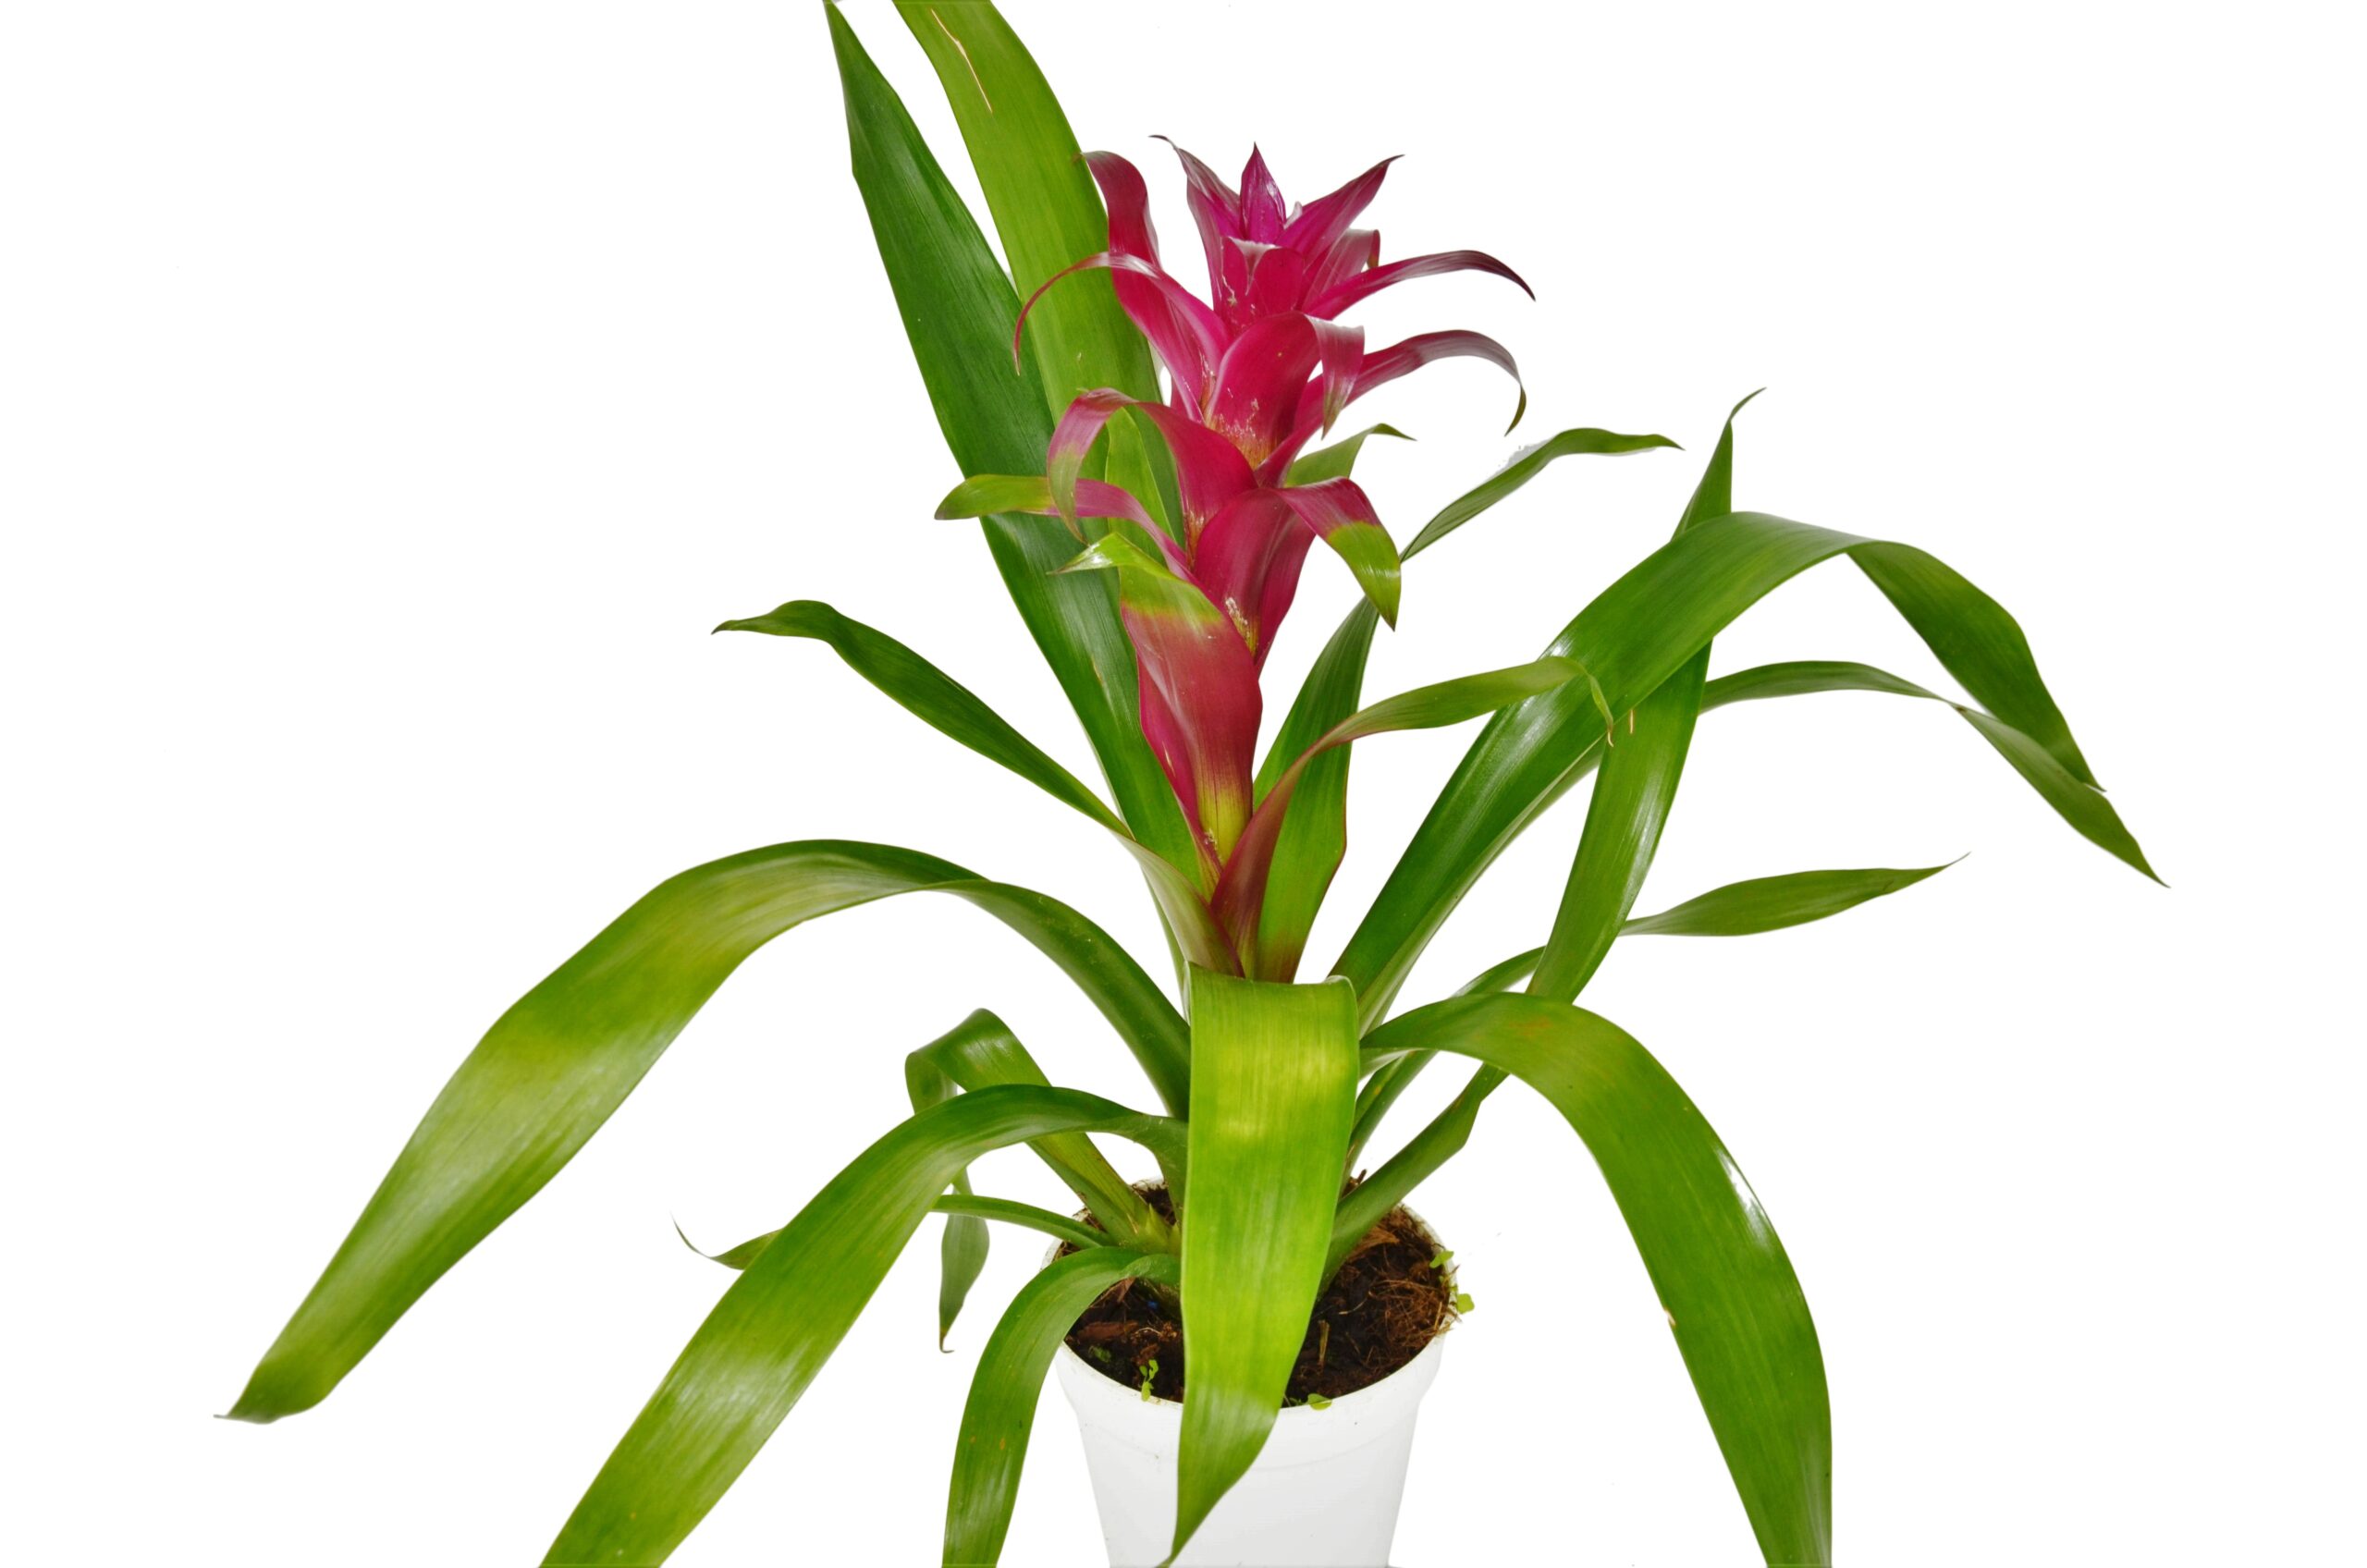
1245, 1337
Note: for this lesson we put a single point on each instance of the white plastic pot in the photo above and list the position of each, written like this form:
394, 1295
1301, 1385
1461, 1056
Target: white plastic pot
1323, 1493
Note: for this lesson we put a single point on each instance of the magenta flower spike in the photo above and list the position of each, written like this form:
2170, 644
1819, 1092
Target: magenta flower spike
1255, 372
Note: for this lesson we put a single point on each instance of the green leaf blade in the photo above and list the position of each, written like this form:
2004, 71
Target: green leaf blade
1720, 1273
1274, 1089
982, 1053
1001, 1411
1026, 1215
962, 1245
765, 1341
1634, 635
1524, 466
1776, 903
959, 310
1314, 837
931, 695
2082, 806
1635, 788
1633, 792
1046, 208
1337, 460
555, 1066
1239, 898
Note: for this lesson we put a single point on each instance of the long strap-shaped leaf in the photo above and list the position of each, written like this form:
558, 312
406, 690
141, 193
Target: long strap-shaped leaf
1372, 1198
1315, 835
1047, 214
2085, 808
982, 1053
1046, 210
1026, 1215
552, 1069
1273, 1087
1738, 909
962, 1245
1714, 1260
954, 711
1634, 789
1774, 903
959, 309
932, 696
761, 1347
1001, 1412
1240, 895
2081, 805
1636, 635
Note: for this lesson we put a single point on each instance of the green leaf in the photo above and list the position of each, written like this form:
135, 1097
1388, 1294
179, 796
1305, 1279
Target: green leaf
1635, 635
1315, 835
1046, 210
981, 1053
932, 696
768, 1337
953, 710
1715, 1262
961, 1249
1771, 903
1525, 465
553, 1068
1739, 908
1635, 788
1339, 460
1633, 792
2082, 806
959, 310
1241, 894
1000, 1413
1026, 1215
1273, 1087
1384, 1189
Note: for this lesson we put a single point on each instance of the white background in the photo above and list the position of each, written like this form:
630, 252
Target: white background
396, 395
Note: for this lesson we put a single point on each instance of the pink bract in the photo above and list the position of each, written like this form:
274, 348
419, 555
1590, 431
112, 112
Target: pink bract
1254, 371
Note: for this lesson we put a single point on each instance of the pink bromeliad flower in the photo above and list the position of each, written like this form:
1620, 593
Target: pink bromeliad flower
1255, 372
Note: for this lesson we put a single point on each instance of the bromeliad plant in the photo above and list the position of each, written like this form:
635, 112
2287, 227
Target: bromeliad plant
1164, 531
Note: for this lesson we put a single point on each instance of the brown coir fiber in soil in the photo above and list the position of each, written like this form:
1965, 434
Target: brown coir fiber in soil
1374, 1317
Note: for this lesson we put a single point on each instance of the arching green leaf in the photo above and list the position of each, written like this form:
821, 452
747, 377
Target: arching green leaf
554, 1067
760, 1349
1315, 835
1773, 903
1025, 1215
2084, 806
1001, 1412
982, 1053
1635, 635
959, 309
1723, 1279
